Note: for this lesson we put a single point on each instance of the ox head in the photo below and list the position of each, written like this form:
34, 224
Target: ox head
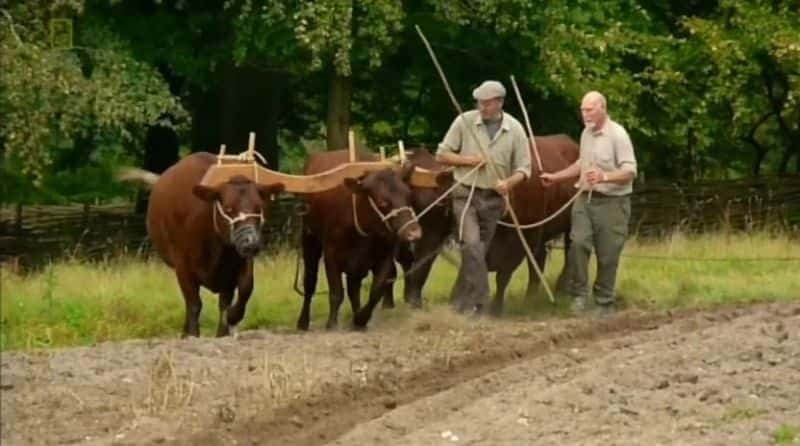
391, 198
240, 208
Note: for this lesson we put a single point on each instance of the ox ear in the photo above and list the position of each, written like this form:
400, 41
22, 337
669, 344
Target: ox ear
355, 185
205, 193
267, 190
407, 170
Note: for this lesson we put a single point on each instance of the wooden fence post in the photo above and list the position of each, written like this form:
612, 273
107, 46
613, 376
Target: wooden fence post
18, 221
85, 215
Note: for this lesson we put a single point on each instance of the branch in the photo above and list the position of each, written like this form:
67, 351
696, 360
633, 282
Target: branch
751, 135
11, 26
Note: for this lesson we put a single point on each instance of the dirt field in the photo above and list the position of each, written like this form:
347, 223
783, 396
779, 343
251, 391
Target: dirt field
726, 376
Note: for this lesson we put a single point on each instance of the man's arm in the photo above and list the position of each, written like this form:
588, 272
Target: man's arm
573, 171
449, 148
626, 159
520, 162
454, 159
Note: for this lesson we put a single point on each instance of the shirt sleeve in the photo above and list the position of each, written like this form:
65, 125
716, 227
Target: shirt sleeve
522, 154
452, 140
623, 148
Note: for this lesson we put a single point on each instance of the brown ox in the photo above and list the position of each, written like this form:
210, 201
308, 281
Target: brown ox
330, 230
531, 201
209, 236
437, 225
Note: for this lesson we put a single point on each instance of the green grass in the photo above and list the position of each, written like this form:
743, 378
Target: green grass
75, 303
787, 434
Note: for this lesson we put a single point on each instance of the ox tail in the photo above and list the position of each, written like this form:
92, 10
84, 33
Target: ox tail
136, 175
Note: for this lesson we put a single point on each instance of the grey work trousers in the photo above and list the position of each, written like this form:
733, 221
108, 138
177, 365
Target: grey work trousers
486, 207
600, 225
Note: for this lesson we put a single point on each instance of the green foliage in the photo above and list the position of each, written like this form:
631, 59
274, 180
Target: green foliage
751, 72
341, 33
55, 98
706, 89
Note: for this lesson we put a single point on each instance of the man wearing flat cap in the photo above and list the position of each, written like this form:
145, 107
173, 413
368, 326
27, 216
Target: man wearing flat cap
478, 201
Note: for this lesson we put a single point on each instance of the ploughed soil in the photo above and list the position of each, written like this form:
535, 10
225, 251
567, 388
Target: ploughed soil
720, 376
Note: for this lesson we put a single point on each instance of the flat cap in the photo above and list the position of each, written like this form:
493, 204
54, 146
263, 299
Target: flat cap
489, 90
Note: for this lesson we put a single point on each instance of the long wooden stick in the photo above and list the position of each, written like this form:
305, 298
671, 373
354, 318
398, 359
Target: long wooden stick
527, 124
351, 145
401, 149
532, 140
251, 147
489, 162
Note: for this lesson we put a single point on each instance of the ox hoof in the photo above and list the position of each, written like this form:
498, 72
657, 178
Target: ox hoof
496, 311
361, 328
415, 304
360, 320
388, 304
302, 325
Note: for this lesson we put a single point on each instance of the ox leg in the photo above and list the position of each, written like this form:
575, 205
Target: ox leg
191, 296
335, 292
540, 255
415, 281
376, 292
225, 299
354, 292
563, 285
245, 290
388, 290
502, 278
312, 252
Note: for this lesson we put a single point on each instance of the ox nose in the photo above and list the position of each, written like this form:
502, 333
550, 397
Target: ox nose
247, 241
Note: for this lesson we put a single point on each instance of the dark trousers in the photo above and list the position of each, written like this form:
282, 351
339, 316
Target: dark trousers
480, 221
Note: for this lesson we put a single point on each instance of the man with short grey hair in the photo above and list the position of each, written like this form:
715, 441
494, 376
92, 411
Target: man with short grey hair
606, 169
478, 201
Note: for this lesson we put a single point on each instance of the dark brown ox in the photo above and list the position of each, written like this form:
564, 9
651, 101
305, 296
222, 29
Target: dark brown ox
531, 201
208, 235
437, 224
330, 230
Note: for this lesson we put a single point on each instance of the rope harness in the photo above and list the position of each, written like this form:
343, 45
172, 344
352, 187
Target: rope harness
384, 217
232, 220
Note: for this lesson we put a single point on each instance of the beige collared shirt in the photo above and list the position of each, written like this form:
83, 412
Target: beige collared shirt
509, 149
609, 148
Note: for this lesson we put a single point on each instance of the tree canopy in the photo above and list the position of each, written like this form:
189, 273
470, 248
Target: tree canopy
706, 89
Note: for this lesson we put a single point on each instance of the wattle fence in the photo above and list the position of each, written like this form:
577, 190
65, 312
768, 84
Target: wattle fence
32, 235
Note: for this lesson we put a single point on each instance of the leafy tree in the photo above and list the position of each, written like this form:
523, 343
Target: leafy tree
751, 75
61, 101
343, 38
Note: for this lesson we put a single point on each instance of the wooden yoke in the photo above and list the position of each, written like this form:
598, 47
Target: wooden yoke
245, 164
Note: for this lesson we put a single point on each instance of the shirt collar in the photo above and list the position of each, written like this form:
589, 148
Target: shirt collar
604, 129
505, 124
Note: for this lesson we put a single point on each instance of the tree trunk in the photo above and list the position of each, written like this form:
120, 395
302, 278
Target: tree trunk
160, 152
797, 163
340, 92
761, 153
251, 103
205, 119
783, 167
